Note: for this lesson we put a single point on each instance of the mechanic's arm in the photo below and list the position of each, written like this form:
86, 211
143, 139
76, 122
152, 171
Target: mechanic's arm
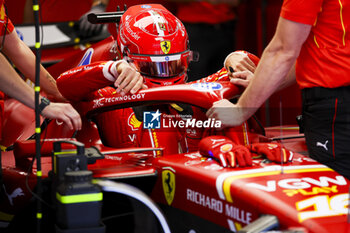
274, 66
240, 61
290, 79
24, 59
13, 85
237, 61
241, 66
243, 78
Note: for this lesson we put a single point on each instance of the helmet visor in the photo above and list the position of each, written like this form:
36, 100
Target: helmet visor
162, 66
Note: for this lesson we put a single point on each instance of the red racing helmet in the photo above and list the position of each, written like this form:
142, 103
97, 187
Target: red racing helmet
155, 42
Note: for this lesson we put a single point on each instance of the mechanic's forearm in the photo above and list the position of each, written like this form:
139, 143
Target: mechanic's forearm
289, 80
15, 48
12, 85
276, 63
268, 77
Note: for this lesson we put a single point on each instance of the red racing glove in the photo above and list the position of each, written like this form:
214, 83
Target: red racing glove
226, 152
273, 151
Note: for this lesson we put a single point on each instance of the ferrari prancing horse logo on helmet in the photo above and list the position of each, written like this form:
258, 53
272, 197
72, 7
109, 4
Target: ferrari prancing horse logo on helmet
168, 180
165, 46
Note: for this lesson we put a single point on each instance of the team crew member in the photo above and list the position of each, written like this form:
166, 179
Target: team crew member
12, 84
315, 35
140, 32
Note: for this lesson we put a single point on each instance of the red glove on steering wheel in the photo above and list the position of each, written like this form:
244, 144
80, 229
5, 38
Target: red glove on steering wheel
225, 151
273, 151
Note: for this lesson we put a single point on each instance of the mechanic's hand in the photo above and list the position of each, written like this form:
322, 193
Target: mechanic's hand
128, 80
272, 151
87, 29
241, 78
226, 152
64, 112
239, 61
228, 113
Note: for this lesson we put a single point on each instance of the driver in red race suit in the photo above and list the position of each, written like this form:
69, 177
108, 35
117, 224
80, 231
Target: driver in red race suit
155, 43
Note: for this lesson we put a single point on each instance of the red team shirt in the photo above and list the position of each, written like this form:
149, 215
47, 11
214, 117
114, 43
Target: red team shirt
324, 59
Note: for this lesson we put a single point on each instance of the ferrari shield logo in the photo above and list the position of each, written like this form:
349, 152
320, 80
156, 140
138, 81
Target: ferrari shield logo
168, 178
165, 46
